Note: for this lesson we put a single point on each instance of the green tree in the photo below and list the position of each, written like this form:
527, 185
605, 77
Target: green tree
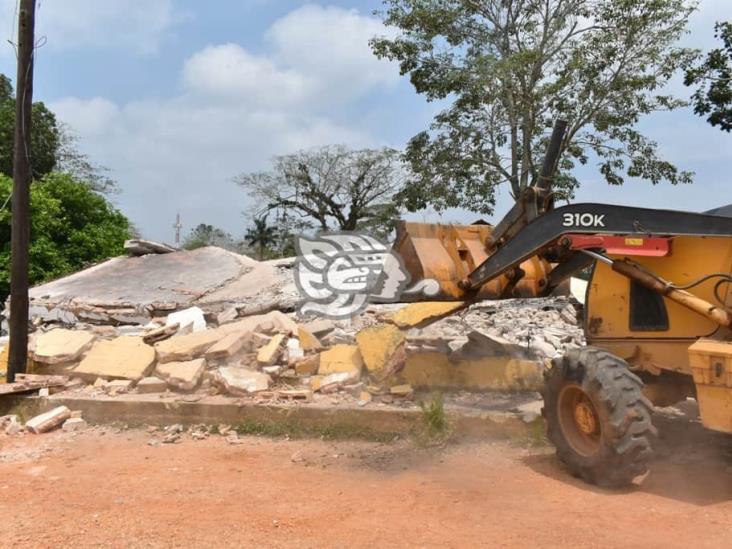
45, 137
261, 236
331, 187
511, 67
713, 81
208, 235
72, 227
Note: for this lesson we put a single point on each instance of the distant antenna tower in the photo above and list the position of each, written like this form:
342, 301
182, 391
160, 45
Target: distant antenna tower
178, 226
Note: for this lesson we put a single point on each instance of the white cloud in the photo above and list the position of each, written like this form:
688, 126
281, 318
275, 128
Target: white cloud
236, 110
229, 71
136, 25
331, 45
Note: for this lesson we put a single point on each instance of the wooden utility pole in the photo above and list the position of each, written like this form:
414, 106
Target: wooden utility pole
22, 175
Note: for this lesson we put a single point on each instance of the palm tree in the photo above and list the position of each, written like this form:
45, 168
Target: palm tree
261, 235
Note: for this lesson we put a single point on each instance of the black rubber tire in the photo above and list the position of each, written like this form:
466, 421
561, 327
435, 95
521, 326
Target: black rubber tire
625, 433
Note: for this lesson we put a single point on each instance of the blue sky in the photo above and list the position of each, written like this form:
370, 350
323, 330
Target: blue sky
177, 97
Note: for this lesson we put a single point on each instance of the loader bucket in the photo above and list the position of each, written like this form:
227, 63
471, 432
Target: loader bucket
447, 253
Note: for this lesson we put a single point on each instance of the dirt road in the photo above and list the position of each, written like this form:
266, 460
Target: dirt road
113, 489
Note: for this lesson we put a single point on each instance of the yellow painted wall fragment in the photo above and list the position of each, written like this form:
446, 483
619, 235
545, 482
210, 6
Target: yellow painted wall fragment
341, 358
377, 344
415, 314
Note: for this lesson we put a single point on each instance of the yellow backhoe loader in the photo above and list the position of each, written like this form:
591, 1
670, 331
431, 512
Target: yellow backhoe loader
657, 312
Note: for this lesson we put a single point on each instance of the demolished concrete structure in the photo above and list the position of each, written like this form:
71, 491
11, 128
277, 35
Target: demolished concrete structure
212, 322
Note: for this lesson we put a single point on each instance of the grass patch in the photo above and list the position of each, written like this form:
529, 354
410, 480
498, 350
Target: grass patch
296, 429
435, 427
535, 436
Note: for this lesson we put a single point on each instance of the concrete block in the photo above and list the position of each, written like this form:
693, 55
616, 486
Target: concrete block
341, 358
74, 424
308, 342
228, 346
308, 366
61, 346
240, 381
48, 420
187, 347
269, 353
118, 386
125, 357
151, 385
192, 315
182, 375
378, 345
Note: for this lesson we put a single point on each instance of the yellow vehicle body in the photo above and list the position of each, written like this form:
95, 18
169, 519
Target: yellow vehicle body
687, 343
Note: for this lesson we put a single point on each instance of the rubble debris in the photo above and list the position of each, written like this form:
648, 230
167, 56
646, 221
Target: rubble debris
415, 314
319, 327
182, 375
268, 354
308, 366
138, 246
341, 358
192, 316
11, 425
295, 394
294, 351
61, 346
121, 358
160, 334
364, 398
401, 390
186, 347
48, 420
378, 345
118, 386
240, 381
228, 346
74, 424
32, 382
308, 341
331, 382
227, 315
151, 385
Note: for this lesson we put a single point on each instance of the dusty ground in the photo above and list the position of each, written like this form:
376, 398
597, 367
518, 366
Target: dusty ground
107, 488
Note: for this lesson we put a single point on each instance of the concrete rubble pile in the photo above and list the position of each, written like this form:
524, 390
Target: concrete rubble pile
210, 322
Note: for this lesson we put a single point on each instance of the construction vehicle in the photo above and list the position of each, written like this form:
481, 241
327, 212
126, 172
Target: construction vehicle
657, 313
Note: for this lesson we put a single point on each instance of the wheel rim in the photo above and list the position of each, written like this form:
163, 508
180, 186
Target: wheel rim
579, 420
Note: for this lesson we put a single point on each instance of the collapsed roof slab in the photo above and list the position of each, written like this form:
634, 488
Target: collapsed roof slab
174, 279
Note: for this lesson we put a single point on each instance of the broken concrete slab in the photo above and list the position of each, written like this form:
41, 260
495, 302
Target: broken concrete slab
341, 358
126, 357
404, 390
160, 334
151, 385
228, 346
182, 375
308, 366
240, 381
191, 316
308, 341
320, 326
61, 346
118, 386
48, 420
416, 314
377, 345
187, 347
269, 353
147, 283
74, 424
138, 246
227, 315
